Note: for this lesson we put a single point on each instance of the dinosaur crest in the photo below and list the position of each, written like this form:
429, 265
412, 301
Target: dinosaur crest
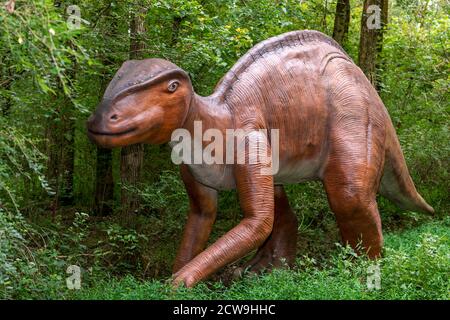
134, 73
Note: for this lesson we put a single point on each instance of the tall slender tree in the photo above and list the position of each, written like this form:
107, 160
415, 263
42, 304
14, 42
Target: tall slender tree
341, 21
6, 80
132, 157
373, 23
61, 142
104, 181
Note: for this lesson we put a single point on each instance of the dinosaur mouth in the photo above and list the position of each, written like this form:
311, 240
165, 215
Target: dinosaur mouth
111, 134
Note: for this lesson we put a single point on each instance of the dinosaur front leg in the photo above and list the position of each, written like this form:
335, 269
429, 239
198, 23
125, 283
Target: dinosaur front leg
255, 193
281, 246
202, 214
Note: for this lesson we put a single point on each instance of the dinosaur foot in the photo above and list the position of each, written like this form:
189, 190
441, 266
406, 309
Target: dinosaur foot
273, 254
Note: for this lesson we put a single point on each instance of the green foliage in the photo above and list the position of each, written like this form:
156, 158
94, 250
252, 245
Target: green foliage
11, 255
40, 51
415, 90
166, 194
419, 269
21, 165
418, 264
120, 248
24, 271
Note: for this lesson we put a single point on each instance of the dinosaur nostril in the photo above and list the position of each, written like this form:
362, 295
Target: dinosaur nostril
114, 117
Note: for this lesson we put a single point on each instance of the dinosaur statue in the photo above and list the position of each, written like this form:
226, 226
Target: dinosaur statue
332, 126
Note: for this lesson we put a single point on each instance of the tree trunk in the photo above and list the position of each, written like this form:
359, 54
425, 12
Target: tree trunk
6, 80
324, 16
380, 61
341, 21
370, 45
60, 150
68, 162
104, 187
104, 180
132, 157
52, 169
175, 30
137, 34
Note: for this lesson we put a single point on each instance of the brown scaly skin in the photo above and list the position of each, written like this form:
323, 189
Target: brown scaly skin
332, 125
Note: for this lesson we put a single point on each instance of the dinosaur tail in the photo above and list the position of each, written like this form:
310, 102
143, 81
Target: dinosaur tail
396, 183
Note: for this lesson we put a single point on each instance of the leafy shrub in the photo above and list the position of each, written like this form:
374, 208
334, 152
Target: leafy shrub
415, 266
121, 248
25, 271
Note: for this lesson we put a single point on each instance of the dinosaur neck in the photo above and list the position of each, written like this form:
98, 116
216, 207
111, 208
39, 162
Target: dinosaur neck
211, 113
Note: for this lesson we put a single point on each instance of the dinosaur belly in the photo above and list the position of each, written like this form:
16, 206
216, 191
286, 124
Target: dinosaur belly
304, 170
218, 176
221, 177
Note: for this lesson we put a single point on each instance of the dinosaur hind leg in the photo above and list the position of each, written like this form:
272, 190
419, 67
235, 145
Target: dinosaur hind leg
351, 191
355, 156
359, 224
280, 248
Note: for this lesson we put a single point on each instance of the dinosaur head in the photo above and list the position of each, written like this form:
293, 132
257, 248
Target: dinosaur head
145, 101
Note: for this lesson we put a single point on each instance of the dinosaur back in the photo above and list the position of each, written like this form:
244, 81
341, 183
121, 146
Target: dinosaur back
272, 45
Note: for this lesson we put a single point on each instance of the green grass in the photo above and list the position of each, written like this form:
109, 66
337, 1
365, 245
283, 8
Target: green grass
415, 265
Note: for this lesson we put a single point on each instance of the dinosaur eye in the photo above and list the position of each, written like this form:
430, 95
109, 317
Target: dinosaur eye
173, 85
